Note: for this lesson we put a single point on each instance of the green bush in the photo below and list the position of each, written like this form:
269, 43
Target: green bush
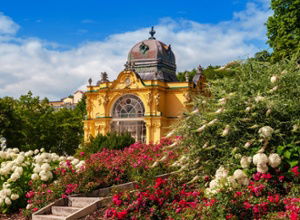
111, 141
227, 126
29, 123
215, 72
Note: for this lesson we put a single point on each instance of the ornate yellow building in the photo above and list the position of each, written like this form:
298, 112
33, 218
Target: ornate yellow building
145, 99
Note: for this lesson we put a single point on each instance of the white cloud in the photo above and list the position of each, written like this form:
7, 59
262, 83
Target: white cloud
32, 64
7, 26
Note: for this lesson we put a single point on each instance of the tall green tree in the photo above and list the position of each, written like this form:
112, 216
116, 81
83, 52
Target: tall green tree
29, 123
284, 28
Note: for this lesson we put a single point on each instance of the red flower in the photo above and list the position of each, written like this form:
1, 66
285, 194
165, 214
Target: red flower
64, 196
206, 178
159, 181
247, 205
35, 209
122, 214
71, 188
294, 216
116, 200
266, 176
110, 213
274, 199
295, 171
238, 194
29, 194
229, 216
257, 176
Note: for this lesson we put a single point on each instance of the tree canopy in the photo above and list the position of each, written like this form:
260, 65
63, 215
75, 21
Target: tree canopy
29, 123
284, 28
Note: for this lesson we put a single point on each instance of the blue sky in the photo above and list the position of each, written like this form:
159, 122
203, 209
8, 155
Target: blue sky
52, 47
73, 22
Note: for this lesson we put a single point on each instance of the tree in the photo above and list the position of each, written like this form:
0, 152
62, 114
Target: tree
262, 56
29, 123
284, 28
181, 76
10, 123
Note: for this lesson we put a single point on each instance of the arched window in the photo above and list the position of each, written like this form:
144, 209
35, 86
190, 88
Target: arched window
127, 116
128, 106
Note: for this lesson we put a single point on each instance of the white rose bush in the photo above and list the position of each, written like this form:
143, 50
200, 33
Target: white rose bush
20, 170
254, 137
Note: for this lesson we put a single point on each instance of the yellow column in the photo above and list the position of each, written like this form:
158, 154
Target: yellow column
148, 130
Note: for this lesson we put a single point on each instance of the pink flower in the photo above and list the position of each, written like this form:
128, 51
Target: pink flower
35, 209
110, 212
81, 154
29, 194
70, 188
257, 176
178, 210
64, 196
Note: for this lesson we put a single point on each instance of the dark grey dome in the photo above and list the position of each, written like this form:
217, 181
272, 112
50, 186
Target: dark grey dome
153, 60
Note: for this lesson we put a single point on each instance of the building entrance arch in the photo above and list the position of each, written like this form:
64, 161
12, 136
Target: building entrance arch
128, 116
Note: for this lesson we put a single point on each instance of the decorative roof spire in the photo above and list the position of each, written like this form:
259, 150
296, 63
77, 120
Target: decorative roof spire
152, 32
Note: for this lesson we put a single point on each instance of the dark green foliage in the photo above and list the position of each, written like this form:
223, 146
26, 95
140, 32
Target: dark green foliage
284, 28
10, 125
262, 56
290, 153
181, 76
215, 72
211, 72
112, 141
80, 108
29, 123
275, 104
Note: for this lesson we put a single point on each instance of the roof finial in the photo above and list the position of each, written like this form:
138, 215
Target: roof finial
152, 32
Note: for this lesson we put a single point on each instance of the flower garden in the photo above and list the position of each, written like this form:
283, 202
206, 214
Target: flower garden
236, 156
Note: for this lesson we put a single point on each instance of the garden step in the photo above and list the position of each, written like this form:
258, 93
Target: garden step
81, 202
48, 217
63, 210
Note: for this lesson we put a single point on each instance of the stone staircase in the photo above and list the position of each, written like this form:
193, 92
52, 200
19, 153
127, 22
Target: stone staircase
71, 208
79, 206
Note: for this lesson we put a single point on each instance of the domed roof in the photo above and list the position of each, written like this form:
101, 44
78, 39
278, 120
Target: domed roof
153, 60
151, 49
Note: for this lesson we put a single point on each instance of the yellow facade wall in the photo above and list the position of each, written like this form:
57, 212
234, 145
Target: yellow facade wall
163, 103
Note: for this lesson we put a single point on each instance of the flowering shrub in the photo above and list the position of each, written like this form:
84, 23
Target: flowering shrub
249, 113
164, 199
20, 170
104, 169
267, 195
